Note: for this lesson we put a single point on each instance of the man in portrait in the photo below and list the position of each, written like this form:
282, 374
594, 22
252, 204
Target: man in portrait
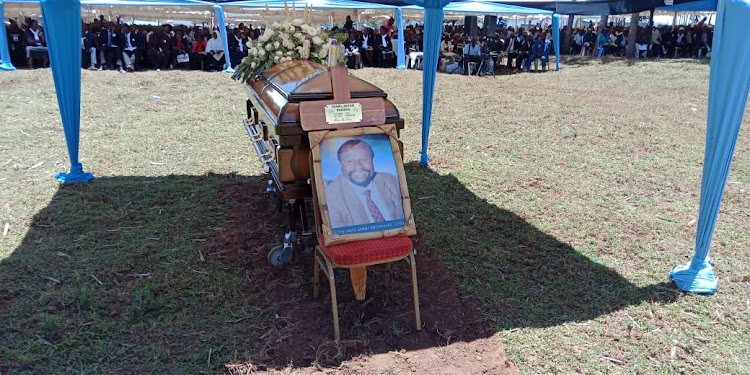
360, 195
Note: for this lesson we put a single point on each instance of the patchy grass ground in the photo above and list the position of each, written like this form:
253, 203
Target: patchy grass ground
558, 202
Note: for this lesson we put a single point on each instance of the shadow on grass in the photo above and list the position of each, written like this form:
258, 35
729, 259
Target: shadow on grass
581, 61
517, 275
168, 275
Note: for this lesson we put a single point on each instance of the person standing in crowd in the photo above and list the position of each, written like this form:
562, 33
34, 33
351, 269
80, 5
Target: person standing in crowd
348, 25
388, 26
36, 43
680, 40
655, 48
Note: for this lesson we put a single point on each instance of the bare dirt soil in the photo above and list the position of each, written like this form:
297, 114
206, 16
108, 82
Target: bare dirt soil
378, 335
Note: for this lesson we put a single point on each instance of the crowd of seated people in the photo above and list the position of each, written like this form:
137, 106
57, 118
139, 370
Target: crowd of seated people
657, 42
27, 44
117, 45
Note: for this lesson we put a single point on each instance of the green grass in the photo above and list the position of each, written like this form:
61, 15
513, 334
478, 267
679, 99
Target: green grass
558, 202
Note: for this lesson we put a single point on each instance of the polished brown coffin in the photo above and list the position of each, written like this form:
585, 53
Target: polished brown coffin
273, 119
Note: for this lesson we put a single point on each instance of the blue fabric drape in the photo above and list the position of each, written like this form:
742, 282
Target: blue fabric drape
727, 96
556, 38
433, 31
62, 26
401, 58
5, 63
219, 11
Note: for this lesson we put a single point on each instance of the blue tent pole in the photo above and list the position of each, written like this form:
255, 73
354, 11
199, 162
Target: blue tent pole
224, 37
727, 96
556, 38
63, 31
401, 58
433, 31
5, 63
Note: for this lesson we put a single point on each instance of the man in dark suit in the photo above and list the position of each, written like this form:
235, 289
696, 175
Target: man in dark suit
384, 49
237, 46
367, 46
16, 44
129, 41
111, 46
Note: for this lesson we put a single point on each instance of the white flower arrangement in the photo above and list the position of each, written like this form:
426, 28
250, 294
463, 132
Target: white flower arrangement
284, 41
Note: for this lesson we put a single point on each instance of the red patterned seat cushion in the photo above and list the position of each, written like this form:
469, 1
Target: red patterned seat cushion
367, 251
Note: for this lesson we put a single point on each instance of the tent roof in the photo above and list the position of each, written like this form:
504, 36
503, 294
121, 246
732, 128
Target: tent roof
695, 6
316, 4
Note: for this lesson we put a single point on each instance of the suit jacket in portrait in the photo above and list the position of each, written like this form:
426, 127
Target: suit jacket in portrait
345, 207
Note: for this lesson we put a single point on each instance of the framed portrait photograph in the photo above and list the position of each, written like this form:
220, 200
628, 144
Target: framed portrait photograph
360, 184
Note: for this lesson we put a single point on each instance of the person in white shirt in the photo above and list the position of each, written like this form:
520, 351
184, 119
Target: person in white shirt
473, 54
215, 51
36, 43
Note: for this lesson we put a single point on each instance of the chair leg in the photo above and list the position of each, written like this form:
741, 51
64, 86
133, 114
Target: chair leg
415, 290
334, 308
316, 277
387, 281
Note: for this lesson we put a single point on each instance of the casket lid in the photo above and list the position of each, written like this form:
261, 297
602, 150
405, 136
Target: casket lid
299, 80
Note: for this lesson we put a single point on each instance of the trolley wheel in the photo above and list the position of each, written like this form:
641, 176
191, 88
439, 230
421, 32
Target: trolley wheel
277, 257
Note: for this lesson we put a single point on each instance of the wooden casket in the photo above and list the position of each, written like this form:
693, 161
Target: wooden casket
273, 120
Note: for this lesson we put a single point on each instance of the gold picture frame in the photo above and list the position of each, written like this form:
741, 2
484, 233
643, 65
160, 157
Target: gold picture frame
341, 172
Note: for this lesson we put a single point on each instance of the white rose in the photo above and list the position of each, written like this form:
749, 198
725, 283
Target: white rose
276, 45
313, 31
263, 38
317, 40
299, 36
276, 59
275, 25
269, 33
323, 52
297, 22
261, 52
253, 65
279, 53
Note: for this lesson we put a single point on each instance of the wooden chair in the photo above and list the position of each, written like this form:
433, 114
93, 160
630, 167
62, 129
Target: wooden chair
356, 256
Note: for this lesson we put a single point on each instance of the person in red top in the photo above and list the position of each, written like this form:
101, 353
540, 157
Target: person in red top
389, 26
198, 52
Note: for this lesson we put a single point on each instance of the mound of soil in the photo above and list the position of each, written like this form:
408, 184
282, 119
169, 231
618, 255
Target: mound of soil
379, 334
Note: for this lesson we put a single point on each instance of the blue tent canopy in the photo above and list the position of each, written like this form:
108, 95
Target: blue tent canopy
488, 7
316, 4
693, 6
728, 89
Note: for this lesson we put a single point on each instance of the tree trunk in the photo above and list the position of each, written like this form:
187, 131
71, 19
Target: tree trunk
568, 35
602, 23
632, 35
